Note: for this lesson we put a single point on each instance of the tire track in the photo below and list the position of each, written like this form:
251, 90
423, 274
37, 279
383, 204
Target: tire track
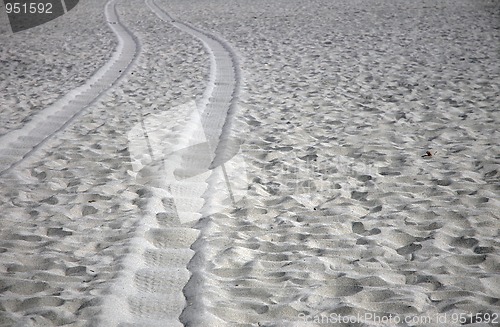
18, 145
155, 286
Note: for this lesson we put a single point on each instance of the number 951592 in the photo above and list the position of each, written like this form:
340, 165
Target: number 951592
28, 8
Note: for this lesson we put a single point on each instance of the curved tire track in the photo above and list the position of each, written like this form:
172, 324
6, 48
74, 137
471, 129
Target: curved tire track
155, 287
18, 145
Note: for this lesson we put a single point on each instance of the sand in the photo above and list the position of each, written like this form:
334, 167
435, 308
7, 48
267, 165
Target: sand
41, 65
70, 210
307, 199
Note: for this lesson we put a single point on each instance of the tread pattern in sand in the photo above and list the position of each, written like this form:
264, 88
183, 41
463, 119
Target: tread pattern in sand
19, 144
179, 179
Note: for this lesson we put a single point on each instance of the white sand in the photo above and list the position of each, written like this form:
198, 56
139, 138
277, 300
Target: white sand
41, 64
341, 214
71, 209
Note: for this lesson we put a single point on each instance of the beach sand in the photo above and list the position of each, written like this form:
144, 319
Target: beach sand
41, 64
340, 212
70, 210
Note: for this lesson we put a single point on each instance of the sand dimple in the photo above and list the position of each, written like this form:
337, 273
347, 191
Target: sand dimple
172, 237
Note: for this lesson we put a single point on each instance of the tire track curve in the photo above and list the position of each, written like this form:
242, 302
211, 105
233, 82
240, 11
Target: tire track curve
161, 278
18, 145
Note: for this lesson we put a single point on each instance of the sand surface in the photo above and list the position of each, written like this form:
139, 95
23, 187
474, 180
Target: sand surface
42, 64
300, 196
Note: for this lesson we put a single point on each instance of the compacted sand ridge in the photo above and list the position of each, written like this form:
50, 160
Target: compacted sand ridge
359, 183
